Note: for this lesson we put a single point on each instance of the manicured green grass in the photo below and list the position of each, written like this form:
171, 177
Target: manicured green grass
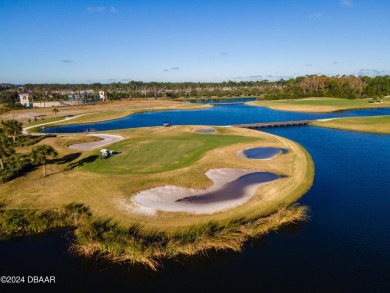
376, 124
153, 155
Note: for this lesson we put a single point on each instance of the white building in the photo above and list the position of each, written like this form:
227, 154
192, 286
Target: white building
102, 95
24, 99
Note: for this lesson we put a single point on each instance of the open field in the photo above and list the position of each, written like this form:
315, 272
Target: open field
321, 105
96, 112
375, 124
107, 187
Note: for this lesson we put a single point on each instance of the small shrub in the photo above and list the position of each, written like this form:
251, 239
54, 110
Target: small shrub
14, 166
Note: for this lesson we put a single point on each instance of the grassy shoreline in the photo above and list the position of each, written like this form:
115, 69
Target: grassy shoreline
373, 124
320, 105
104, 239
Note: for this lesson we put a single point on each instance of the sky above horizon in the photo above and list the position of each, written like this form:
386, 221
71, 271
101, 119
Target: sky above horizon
66, 41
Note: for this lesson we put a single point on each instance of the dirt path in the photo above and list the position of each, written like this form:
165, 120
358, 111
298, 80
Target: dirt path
25, 129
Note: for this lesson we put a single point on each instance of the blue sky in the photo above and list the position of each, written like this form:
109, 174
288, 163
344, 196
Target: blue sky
105, 41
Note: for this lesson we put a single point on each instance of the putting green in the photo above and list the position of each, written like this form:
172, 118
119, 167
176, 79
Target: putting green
160, 154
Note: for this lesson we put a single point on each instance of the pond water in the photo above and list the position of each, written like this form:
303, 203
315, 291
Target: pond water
205, 131
260, 153
344, 247
218, 116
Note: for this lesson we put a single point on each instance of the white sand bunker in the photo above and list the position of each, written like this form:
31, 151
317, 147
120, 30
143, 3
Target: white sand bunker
231, 188
106, 139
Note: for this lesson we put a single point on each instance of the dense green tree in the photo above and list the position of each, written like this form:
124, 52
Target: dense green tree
12, 128
40, 153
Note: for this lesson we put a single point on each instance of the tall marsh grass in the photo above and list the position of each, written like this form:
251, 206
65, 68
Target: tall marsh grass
136, 244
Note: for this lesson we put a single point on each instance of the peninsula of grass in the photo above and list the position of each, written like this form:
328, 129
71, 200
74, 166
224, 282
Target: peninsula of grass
374, 124
93, 195
321, 105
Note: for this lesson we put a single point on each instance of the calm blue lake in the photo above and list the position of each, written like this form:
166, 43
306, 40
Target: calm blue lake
345, 247
220, 115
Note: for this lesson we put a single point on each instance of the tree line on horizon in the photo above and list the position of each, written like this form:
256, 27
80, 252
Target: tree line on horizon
350, 87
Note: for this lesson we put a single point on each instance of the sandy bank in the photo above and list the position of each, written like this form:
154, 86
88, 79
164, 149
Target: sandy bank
175, 199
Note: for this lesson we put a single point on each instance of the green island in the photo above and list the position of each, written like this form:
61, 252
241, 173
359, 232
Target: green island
374, 124
93, 196
321, 104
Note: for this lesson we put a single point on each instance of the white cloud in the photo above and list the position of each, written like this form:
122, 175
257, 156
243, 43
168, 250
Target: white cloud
316, 15
102, 9
346, 3
96, 9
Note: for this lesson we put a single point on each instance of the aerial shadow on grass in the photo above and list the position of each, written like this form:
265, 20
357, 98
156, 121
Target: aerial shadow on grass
82, 162
66, 159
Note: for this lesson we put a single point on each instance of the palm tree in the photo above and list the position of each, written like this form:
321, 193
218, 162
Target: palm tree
39, 154
12, 128
6, 149
55, 110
